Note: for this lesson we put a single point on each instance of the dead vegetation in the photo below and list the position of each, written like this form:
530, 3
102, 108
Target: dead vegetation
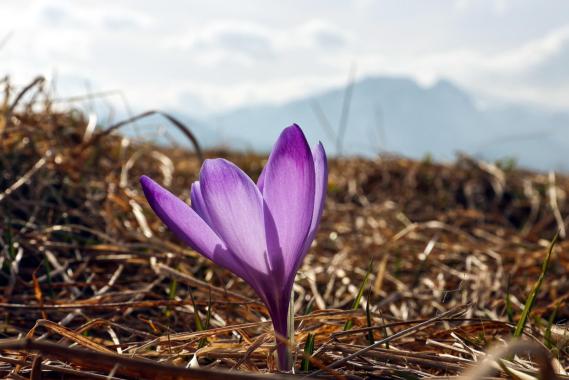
93, 286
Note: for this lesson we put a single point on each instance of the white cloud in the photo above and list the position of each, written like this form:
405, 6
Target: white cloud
72, 15
226, 40
535, 72
499, 7
318, 34
246, 43
229, 54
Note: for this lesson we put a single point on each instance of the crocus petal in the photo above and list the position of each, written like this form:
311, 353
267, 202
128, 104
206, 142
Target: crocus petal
288, 190
279, 311
198, 203
235, 207
261, 180
321, 181
184, 222
188, 226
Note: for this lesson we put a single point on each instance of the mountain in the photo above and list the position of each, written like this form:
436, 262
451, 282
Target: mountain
391, 114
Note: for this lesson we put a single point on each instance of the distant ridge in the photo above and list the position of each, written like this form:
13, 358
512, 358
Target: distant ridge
395, 114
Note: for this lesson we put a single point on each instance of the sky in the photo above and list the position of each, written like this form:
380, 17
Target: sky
205, 57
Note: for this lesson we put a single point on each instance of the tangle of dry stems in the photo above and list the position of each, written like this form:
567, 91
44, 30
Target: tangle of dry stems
88, 272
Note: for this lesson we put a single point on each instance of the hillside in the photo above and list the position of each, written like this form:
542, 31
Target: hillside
101, 290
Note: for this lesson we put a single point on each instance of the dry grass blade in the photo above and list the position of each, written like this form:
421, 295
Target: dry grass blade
57, 369
453, 312
487, 367
71, 335
36, 82
178, 124
25, 177
127, 366
187, 279
256, 344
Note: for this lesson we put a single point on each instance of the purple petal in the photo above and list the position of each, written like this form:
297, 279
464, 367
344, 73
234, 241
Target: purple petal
188, 226
235, 207
278, 308
321, 181
198, 203
261, 179
184, 222
288, 191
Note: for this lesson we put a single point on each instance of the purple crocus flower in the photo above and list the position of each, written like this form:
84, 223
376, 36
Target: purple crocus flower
259, 232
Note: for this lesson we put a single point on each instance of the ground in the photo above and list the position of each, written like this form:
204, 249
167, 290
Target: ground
451, 253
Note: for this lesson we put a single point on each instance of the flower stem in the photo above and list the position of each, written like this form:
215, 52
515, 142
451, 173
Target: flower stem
290, 331
284, 331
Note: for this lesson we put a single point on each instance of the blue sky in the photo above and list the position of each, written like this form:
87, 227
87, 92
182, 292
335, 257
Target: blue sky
209, 56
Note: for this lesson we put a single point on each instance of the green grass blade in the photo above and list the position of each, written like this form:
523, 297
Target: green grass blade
203, 341
308, 351
47, 269
197, 319
356, 304
172, 289
533, 294
309, 307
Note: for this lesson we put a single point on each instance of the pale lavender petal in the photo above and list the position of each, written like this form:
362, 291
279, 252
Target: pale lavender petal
321, 171
198, 203
189, 227
261, 180
235, 207
289, 198
184, 222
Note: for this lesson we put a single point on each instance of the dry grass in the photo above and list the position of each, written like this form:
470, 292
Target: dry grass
93, 286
